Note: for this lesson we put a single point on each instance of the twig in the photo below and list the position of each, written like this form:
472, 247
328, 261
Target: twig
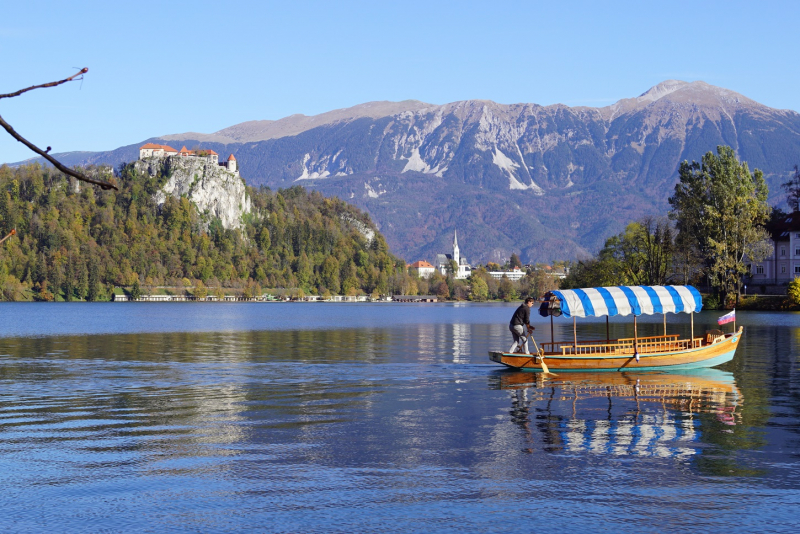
44, 153
51, 84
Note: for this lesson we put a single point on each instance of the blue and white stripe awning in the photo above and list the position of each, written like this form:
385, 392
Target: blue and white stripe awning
627, 300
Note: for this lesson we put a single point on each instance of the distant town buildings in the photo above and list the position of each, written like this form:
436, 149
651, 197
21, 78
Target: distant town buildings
423, 269
152, 150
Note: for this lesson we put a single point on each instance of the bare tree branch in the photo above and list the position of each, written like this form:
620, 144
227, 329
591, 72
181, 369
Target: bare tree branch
51, 84
44, 153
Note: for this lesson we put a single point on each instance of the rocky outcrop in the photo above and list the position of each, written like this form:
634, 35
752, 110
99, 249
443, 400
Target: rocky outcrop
216, 192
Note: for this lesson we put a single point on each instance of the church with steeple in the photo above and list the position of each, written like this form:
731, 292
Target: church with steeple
443, 261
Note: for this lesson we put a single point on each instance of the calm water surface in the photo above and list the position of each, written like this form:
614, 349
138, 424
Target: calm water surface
186, 417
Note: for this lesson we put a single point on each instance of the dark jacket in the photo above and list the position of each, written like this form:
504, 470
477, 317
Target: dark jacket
522, 316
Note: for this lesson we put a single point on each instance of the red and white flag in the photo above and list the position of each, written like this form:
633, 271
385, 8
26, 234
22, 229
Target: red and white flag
727, 318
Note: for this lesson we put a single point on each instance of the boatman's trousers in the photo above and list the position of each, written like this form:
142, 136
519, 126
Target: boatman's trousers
520, 337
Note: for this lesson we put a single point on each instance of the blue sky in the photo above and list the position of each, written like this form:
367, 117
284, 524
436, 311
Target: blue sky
157, 68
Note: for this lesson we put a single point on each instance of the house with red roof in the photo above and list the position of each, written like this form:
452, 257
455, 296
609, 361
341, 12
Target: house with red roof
422, 268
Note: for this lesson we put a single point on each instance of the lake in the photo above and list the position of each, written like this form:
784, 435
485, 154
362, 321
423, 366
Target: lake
322, 417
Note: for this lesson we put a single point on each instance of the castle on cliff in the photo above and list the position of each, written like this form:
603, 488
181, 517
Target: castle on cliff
152, 150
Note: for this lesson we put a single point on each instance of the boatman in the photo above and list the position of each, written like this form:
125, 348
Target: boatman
519, 322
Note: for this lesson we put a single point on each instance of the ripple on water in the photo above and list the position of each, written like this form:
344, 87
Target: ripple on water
407, 428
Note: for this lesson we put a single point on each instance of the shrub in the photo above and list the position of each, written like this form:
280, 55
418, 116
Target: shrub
794, 292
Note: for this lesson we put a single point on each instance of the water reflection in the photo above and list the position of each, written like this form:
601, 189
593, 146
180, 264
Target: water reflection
409, 425
620, 414
461, 344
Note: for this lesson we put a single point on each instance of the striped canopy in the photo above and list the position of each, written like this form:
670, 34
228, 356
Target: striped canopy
626, 300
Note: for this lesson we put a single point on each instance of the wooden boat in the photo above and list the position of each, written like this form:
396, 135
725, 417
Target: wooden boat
667, 352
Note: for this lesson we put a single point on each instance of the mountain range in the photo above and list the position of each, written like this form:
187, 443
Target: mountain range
547, 182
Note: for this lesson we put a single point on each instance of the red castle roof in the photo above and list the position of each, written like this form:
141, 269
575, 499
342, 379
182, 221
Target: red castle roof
231, 158
156, 147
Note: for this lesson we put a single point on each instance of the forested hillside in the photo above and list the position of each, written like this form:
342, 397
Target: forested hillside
76, 243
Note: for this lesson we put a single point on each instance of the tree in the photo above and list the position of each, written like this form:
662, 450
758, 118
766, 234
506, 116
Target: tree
792, 188
515, 261
643, 252
200, 290
452, 268
721, 208
330, 274
136, 291
506, 289
794, 291
480, 291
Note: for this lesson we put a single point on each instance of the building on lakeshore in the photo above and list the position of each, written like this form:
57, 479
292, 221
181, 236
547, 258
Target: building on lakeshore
152, 150
443, 262
783, 264
422, 269
514, 274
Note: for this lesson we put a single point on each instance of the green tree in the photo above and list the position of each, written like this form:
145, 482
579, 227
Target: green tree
480, 291
515, 261
330, 274
200, 290
720, 208
643, 252
452, 268
93, 288
506, 289
136, 291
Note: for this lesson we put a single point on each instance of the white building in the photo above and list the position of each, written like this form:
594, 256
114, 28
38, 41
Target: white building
783, 265
422, 269
443, 262
515, 274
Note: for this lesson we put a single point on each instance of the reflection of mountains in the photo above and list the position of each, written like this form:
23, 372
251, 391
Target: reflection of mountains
641, 414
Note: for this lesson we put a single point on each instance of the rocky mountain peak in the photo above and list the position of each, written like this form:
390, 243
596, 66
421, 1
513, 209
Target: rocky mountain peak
662, 89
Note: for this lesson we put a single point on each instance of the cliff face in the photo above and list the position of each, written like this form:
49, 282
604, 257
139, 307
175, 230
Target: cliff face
215, 191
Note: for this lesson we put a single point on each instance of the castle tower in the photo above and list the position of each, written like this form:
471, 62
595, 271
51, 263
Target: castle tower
231, 163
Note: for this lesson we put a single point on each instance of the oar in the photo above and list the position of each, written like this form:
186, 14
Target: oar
545, 370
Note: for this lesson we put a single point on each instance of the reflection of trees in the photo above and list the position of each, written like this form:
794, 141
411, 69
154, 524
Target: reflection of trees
166, 394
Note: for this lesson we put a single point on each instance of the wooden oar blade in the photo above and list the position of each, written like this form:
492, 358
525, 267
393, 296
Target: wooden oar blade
540, 352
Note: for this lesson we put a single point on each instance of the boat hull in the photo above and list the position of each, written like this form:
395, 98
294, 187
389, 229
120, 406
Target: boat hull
711, 355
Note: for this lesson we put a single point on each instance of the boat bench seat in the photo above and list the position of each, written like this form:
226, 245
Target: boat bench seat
713, 335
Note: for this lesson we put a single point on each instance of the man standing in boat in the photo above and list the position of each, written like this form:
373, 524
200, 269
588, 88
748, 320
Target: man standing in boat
519, 322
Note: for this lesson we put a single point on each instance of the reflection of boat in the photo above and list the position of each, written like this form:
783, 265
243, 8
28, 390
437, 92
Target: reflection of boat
657, 414
689, 389
636, 353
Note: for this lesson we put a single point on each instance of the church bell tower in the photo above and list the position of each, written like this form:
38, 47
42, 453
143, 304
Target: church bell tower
456, 254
